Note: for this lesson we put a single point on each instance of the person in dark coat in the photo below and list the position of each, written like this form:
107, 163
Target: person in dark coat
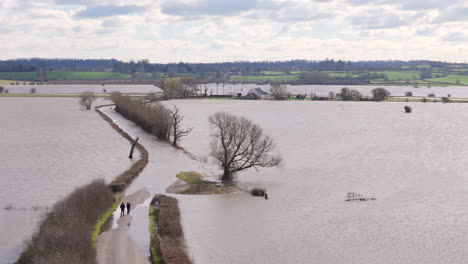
128, 207
122, 209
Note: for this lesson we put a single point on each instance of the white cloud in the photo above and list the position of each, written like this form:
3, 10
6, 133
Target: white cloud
216, 30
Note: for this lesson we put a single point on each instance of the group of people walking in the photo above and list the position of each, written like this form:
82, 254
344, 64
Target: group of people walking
122, 208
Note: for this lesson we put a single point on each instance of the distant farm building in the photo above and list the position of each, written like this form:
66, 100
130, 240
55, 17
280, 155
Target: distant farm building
257, 94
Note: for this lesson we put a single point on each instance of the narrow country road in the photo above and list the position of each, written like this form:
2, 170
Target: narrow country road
115, 246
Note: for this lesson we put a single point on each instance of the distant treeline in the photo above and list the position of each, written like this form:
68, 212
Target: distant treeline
144, 66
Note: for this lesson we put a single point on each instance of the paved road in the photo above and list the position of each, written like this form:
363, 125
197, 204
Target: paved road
115, 246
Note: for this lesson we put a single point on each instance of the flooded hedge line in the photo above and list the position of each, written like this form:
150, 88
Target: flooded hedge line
64, 235
154, 118
168, 240
121, 182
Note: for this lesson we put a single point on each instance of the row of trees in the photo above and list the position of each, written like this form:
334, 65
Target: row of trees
280, 92
155, 118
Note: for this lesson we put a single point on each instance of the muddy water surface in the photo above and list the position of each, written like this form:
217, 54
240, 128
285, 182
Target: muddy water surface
414, 164
48, 147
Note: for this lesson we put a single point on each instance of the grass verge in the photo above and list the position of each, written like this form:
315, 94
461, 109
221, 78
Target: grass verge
155, 250
102, 220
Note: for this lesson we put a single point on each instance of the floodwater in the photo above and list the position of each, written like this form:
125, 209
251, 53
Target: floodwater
233, 89
414, 164
49, 147
324, 90
79, 88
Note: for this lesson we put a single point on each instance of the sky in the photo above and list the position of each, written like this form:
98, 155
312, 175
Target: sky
235, 30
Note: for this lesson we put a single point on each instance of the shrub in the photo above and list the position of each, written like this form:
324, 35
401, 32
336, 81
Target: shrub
350, 95
445, 99
424, 100
64, 235
380, 94
258, 191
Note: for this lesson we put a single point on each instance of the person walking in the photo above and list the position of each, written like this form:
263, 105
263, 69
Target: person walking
128, 207
122, 209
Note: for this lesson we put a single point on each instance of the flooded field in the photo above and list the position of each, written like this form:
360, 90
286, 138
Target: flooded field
233, 89
414, 164
49, 147
324, 90
79, 88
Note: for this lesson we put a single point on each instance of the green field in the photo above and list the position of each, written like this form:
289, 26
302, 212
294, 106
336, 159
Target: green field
260, 79
58, 75
342, 74
278, 73
399, 75
451, 79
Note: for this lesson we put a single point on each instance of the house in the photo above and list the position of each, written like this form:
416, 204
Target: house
257, 94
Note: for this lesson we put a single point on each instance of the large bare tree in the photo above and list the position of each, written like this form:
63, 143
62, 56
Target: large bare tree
278, 91
86, 99
239, 144
177, 131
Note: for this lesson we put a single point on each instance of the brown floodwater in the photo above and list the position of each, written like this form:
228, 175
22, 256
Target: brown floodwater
414, 164
49, 146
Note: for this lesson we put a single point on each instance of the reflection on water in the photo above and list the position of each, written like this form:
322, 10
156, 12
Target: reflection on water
414, 164
49, 147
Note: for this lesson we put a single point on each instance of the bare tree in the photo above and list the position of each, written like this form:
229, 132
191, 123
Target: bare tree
177, 131
239, 144
180, 87
278, 91
86, 99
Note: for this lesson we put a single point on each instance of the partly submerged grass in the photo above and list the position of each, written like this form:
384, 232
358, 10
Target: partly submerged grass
102, 220
155, 256
199, 186
191, 177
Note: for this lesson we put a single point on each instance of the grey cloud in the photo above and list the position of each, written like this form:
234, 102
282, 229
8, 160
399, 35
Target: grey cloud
452, 14
208, 7
381, 21
409, 4
455, 37
109, 10
110, 22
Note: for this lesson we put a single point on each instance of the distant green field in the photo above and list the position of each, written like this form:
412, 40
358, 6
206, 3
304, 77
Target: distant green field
258, 79
399, 75
7, 81
274, 73
296, 72
342, 74
18, 75
57, 75
452, 79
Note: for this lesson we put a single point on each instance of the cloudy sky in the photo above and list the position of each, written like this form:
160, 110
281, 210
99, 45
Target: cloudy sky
233, 30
